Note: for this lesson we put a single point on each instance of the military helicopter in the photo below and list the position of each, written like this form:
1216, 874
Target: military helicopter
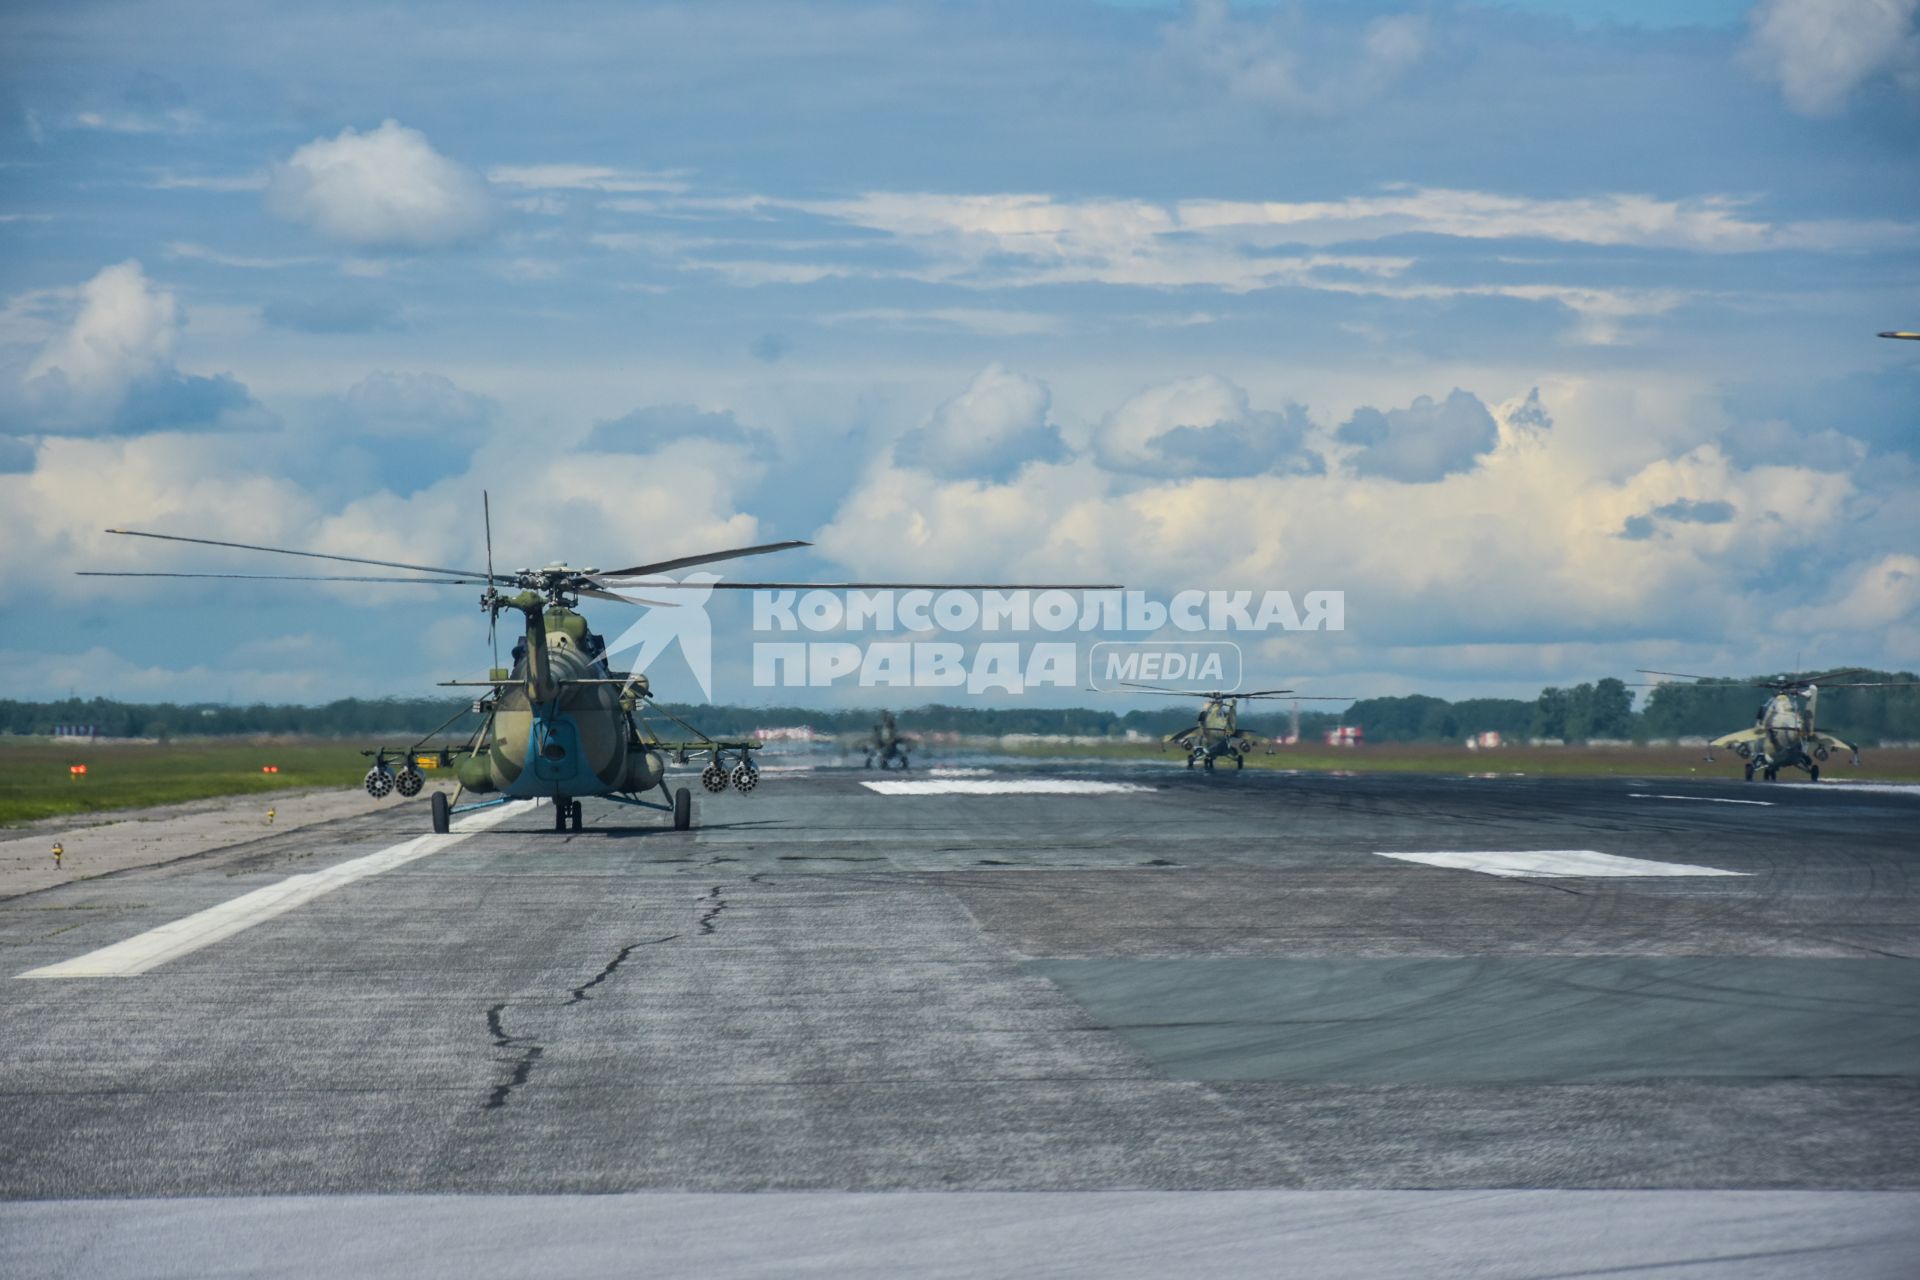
1784, 733
888, 743
1216, 732
560, 723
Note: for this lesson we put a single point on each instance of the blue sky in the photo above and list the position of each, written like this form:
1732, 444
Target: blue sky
1543, 331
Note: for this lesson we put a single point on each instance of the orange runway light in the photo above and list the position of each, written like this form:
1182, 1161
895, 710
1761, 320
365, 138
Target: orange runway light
269, 768
76, 769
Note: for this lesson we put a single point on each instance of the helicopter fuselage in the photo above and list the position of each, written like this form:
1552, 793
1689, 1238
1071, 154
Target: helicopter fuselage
1784, 736
1215, 734
559, 727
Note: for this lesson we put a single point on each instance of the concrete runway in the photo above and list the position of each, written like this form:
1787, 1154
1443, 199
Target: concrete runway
1204, 1014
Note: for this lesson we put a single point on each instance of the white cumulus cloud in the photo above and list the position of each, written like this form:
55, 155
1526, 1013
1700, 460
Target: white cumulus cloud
125, 328
989, 431
1204, 426
109, 369
387, 188
1425, 441
1284, 62
1820, 51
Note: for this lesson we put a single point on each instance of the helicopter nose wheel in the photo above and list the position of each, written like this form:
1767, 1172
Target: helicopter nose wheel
682, 809
714, 778
565, 811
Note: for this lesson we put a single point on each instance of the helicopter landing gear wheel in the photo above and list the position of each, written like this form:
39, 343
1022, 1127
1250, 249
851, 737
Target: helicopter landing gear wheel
1814, 772
561, 808
574, 815
1773, 775
441, 816
1239, 761
682, 809
1749, 771
1209, 764
714, 778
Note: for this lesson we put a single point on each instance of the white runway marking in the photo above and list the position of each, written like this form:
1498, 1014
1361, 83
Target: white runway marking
1649, 795
1116, 1235
1002, 787
1879, 788
204, 928
1556, 863
960, 773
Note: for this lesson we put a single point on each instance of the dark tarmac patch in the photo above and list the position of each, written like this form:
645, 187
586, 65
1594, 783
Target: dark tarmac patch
1519, 1019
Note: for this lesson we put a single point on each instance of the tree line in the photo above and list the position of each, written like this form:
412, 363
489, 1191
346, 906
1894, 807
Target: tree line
1602, 709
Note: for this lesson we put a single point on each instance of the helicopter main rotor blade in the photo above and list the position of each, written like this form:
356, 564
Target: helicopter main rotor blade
1163, 691
493, 615
311, 555
1828, 675
687, 562
876, 586
1678, 675
486, 518
287, 577
1877, 684
598, 594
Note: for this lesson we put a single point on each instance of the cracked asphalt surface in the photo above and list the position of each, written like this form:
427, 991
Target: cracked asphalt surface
1207, 1004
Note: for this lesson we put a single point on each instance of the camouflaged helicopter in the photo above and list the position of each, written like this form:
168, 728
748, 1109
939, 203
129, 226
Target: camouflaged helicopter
560, 723
1216, 731
1785, 734
886, 743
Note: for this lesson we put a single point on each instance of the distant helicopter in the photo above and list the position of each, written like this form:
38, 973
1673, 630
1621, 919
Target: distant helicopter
560, 723
1785, 734
1217, 731
888, 743
1902, 333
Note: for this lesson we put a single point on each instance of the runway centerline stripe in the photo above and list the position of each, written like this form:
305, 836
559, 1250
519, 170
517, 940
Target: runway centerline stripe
1002, 787
1649, 795
182, 937
1541, 863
